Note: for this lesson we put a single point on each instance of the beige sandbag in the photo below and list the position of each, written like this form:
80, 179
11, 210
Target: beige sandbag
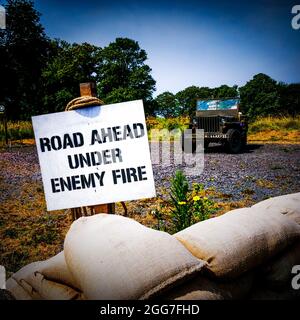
21, 290
238, 240
56, 269
288, 205
36, 287
113, 257
17, 290
50, 290
278, 271
202, 288
31, 280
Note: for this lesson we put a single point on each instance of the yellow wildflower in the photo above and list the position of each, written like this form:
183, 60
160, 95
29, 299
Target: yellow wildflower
196, 198
181, 203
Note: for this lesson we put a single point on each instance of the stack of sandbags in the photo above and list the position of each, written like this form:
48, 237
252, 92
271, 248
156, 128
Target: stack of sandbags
245, 253
113, 257
49, 280
108, 257
238, 242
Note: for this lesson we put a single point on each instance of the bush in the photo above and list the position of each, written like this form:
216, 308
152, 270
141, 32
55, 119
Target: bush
185, 207
167, 123
17, 130
274, 123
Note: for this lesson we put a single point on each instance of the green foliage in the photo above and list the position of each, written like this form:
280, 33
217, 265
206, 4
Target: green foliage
274, 123
260, 96
187, 98
167, 105
164, 125
24, 49
289, 98
225, 91
181, 213
188, 206
68, 65
123, 75
203, 207
17, 130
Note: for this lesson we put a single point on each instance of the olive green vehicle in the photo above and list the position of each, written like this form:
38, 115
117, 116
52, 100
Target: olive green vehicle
222, 123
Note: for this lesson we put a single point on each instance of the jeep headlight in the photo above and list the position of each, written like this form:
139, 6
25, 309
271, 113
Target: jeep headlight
223, 121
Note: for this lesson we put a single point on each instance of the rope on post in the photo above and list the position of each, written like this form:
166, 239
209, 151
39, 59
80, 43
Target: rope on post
83, 102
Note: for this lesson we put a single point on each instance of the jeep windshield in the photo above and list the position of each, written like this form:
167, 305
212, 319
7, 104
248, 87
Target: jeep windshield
225, 104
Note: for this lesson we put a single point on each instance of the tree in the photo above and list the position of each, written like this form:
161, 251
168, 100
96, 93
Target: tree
289, 98
69, 65
123, 75
187, 98
225, 91
260, 96
167, 105
24, 48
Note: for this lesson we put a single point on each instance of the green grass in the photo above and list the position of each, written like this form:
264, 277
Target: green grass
17, 130
275, 123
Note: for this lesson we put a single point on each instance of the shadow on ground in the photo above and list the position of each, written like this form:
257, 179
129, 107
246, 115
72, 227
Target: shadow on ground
218, 148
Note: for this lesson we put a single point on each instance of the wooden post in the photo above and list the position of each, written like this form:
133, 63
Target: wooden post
4, 120
89, 89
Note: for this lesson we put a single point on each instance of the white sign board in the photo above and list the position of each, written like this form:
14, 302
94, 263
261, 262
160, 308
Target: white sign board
94, 155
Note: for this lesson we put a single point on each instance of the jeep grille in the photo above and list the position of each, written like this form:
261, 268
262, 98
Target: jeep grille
209, 124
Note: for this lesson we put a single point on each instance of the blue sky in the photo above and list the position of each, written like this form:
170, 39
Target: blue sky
204, 43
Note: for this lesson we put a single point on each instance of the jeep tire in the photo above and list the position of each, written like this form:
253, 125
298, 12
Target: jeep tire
234, 142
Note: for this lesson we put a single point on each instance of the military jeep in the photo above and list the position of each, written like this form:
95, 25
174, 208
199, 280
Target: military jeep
222, 123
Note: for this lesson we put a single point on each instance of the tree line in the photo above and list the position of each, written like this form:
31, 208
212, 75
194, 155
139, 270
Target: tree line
41, 75
260, 96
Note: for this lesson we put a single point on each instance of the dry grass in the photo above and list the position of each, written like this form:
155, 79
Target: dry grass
275, 130
27, 231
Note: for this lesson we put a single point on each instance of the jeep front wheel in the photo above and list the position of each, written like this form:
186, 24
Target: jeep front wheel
234, 141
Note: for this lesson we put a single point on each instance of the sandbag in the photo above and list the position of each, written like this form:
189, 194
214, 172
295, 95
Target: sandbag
113, 257
49, 279
278, 272
202, 288
17, 290
287, 205
56, 269
238, 241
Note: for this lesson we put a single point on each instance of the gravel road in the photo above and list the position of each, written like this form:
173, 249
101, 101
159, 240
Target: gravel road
259, 172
